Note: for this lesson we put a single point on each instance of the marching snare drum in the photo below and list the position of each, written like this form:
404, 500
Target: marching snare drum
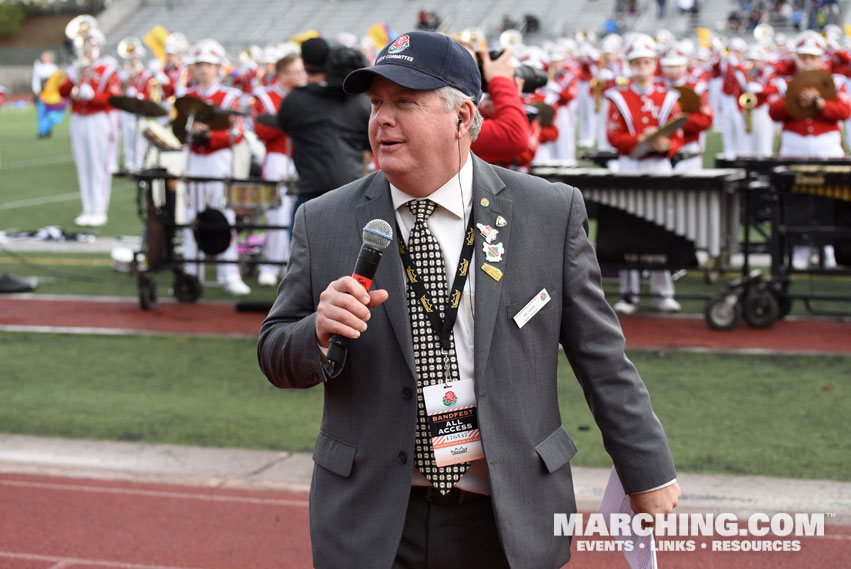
161, 137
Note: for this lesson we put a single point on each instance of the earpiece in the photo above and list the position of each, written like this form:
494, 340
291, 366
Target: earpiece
460, 120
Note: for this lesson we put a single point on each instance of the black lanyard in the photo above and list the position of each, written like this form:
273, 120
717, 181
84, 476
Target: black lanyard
443, 328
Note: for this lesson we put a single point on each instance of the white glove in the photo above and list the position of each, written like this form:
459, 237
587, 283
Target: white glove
754, 87
73, 72
86, 92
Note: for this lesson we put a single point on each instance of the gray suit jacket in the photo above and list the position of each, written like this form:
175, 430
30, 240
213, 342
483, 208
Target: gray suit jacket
363, 454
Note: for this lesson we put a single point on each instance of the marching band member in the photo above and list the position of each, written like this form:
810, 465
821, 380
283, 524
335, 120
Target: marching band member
211, 155
759, 128
675, 74
731, 70
588, 64
609, 70
820, 136
637, 110
560, 94
90, 82
816, 137
137, 82
175, 68
278, 164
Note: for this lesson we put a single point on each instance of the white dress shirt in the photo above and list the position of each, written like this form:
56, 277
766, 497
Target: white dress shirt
448, 224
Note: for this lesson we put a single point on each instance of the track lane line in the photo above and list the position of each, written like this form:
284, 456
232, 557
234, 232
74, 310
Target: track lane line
64, 562
153, 493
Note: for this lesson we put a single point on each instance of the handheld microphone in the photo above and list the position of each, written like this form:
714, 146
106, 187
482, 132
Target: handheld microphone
377, 235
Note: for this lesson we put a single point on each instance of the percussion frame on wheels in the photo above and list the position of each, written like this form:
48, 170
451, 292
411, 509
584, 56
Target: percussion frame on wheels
156, 200
700, 207
775, 185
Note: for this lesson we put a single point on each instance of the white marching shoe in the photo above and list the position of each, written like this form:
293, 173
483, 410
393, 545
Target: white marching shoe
625, 307
97, 220
82, 220
666, 305
267, 279
237, 288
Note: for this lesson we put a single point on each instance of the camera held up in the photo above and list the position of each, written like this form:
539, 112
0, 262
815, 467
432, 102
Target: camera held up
533, 78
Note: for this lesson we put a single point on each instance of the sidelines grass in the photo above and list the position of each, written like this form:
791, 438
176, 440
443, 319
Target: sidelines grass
723, 414
34, 169
91, 274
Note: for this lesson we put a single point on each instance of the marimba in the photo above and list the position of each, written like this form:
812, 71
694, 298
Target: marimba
700, 206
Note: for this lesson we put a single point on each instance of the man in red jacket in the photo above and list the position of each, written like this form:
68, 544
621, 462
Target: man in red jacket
278, 165
90, 82
210, 155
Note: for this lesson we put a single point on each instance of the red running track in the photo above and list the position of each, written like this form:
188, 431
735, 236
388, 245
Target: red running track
647, 332
56, 523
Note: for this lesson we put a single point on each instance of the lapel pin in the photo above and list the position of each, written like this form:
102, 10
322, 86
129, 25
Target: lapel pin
493, 252
492, 271
485, 202
501, 222
488, 232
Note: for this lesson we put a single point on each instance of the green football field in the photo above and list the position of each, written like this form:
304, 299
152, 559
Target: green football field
772, 415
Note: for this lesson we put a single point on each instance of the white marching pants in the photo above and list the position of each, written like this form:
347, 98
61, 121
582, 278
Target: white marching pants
278, 166
133, 141
760, 140
585, 102
200, 196
732, 127
93, 143
601, 123
661, 282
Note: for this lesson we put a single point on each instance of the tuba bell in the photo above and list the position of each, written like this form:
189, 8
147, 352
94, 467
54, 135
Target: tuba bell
475, 37
78, 30
764, 34
130, 47
510, 39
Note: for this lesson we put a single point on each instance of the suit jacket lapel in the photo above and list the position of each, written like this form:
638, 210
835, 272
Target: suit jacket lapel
378, 204
487, 186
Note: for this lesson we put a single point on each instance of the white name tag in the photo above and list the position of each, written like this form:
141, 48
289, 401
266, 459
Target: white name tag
532, 307
453, 422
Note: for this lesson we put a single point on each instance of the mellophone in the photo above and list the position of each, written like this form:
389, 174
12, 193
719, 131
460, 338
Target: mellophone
700, 206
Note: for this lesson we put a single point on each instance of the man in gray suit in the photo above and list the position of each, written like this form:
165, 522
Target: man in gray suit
397, 482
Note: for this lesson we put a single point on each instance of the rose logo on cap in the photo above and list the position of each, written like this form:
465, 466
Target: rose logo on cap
401, 44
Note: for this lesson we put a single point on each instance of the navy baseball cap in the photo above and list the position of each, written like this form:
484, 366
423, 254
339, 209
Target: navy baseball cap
421, 61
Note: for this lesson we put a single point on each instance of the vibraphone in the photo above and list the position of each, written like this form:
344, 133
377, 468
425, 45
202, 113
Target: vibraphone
823, 216
700, 206
822, 183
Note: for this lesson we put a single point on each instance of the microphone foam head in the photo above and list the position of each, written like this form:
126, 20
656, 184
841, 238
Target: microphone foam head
378, 233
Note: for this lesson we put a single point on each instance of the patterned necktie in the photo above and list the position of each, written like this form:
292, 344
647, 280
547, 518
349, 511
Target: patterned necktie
428, 354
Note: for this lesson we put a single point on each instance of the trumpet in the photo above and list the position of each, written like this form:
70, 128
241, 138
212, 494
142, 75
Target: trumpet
597, 89
748, 103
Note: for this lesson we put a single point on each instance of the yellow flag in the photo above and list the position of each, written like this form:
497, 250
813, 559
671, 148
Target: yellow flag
303, 36
704, 35
155, 40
